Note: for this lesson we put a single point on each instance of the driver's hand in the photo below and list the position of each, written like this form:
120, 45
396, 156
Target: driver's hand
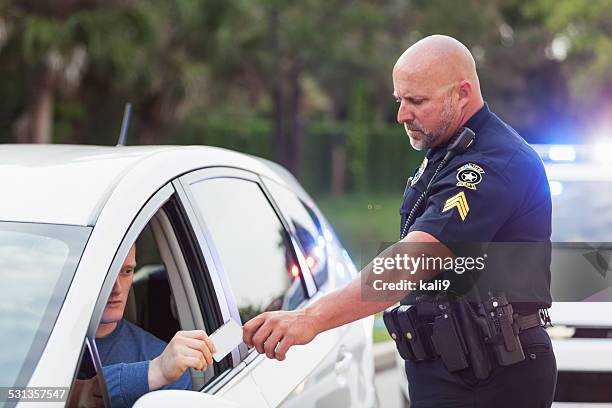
187, 349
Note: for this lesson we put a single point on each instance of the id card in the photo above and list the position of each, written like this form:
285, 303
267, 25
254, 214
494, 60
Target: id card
226, 338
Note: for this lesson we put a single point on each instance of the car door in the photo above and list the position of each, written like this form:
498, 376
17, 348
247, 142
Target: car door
263, 268
187, 273
344, 377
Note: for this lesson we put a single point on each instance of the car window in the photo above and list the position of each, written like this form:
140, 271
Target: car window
164, 295
306, 227
151, 304
37, 263
252, 243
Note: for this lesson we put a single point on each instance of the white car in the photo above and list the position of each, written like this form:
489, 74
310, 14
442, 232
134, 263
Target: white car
580, 178
221, 236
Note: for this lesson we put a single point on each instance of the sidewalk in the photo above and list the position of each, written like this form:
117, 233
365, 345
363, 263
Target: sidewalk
384, 356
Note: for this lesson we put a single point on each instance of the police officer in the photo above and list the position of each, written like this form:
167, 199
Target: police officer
493, 189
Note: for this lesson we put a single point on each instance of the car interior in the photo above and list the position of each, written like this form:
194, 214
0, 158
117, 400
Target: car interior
150, 303
162, 299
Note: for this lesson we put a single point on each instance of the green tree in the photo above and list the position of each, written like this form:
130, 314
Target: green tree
582, 39
90, 54
357, 140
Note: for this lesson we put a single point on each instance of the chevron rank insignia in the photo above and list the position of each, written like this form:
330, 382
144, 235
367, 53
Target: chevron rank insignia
459, 201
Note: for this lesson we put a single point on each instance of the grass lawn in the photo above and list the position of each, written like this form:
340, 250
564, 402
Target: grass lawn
380, 332
363, 222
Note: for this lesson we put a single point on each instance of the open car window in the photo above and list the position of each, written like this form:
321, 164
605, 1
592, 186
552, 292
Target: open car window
167, 294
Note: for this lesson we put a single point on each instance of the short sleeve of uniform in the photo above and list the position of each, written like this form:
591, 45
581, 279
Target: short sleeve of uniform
471, 199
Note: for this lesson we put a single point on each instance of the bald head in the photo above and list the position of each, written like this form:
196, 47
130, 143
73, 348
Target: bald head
441, 59
438, 72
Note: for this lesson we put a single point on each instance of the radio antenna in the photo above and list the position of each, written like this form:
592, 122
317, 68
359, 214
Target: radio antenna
125, 125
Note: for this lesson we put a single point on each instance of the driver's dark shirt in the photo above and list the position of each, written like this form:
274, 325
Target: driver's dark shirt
125, 356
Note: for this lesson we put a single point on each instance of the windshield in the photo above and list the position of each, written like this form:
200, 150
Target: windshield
37, 263
582, 211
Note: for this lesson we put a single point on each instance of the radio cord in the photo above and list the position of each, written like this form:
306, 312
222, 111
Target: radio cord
420, 200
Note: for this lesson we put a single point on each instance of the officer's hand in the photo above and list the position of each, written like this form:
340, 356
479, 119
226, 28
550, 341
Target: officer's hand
274, 332
187, 349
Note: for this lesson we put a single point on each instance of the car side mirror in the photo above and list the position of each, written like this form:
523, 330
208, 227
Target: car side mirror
182, 398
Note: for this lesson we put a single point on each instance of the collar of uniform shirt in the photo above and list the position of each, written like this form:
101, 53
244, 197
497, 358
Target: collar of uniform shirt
478, 119
475, 123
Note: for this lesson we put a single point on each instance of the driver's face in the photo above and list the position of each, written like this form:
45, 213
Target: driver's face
113, 312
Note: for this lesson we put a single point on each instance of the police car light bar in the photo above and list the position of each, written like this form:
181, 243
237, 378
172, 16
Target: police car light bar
562, 153
602, 152
556, 187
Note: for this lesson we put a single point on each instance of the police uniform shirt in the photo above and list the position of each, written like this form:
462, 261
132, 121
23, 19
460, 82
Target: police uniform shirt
495, 191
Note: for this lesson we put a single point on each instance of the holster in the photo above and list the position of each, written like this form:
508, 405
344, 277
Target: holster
448, 339
393, 327
439, 329
501, 329
416, 332
474, 340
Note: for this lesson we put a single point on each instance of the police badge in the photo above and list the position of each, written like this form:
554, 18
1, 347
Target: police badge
419, 172
469, 175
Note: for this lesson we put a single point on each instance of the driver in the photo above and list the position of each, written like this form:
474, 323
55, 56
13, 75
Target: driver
134, 361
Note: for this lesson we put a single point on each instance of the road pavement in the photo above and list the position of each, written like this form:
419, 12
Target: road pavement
386, 379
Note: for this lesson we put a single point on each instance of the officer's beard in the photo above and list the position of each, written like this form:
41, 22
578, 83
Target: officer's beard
422, 138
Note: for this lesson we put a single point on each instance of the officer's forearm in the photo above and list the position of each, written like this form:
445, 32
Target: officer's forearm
349, 304
343, 306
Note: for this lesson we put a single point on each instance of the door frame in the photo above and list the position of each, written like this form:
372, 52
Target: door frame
241, 356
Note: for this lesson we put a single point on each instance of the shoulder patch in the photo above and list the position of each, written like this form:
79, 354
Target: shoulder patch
459, 201
419, 172
469, 175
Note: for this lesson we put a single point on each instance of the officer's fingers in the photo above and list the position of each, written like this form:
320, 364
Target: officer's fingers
251, 327
283, 347
261, 336
272, 342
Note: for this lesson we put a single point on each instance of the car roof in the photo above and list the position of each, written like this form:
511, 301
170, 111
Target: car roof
70, 184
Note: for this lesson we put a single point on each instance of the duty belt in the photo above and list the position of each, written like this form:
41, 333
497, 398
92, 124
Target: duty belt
459, 333
525, 322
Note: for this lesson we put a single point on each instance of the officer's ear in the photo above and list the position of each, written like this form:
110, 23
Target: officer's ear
464, 92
